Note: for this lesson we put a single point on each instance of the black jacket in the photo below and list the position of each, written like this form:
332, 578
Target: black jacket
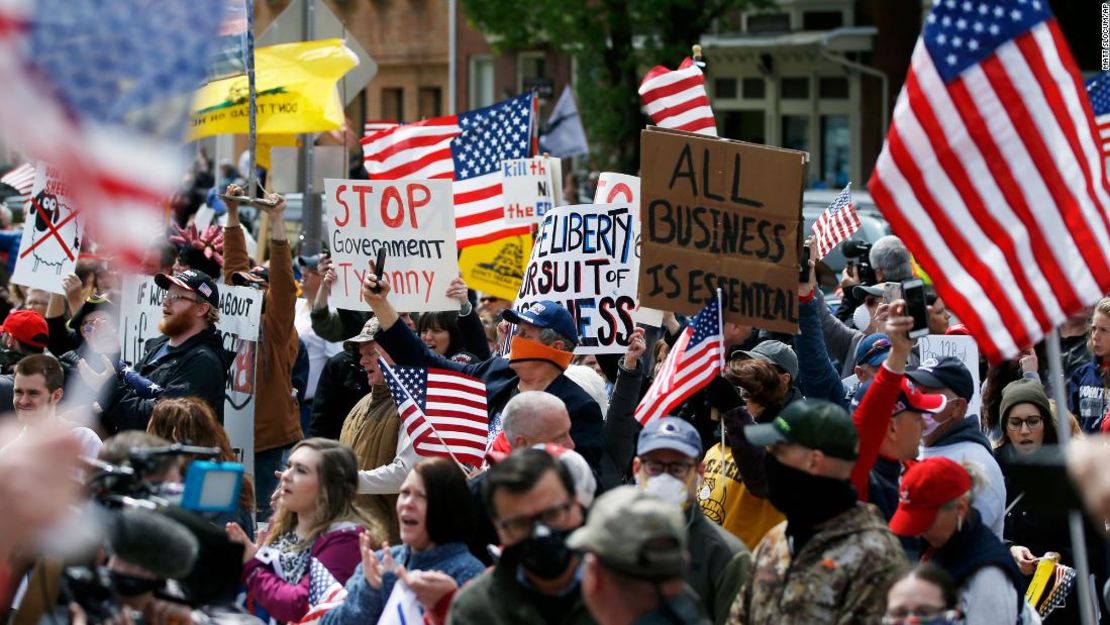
342, 384
197, 367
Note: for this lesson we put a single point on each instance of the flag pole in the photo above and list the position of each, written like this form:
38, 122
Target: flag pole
252, 101
1075, 517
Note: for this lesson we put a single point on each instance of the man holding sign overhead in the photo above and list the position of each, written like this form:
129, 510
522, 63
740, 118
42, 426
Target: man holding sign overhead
539, 354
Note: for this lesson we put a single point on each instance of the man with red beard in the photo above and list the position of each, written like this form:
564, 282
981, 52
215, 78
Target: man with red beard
187, 360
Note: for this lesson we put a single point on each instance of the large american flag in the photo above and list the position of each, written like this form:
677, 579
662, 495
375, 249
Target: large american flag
443, 411
696, 358
1098, 89
993, 175
21, 178
677, 98
837, 223
467, 148
324, 593
101, 90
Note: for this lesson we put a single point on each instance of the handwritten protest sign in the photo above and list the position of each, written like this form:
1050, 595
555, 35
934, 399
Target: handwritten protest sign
497, 268
51, 234
937, 346
413, 221
721, 213
240, 316
529, 188
584, 258
614, 188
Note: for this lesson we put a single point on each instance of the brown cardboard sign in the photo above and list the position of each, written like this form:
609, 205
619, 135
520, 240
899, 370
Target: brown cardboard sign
721, 213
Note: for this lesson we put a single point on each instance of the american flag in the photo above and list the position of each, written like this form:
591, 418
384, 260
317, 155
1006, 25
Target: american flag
375, 126
993, 175
677, 99
696, 358
837, 223
102, 90
324, 592
443, 411
467, 148
21, 179
1098, 89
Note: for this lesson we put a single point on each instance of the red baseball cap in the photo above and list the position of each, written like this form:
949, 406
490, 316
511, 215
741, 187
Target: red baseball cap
28, 327
927, 486
912, 398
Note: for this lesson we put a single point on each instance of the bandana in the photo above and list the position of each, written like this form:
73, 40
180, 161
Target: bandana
523, 349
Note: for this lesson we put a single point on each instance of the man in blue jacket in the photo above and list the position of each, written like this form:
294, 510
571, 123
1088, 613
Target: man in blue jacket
539, 354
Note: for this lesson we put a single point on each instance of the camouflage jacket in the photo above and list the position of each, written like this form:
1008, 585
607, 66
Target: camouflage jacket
840, 576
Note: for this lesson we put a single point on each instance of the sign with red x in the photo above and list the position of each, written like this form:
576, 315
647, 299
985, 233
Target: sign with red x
52, 232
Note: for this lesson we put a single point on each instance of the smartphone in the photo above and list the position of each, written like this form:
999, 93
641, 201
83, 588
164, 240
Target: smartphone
379, 268
803, 275
913, 291
892, 292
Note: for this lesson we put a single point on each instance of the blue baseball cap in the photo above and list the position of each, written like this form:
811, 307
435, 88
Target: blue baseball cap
670, 433
873, 350
545, 314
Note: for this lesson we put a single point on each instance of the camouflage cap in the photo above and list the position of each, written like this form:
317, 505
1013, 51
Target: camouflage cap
635, 534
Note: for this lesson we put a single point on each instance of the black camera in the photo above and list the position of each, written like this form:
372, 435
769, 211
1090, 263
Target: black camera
859, 252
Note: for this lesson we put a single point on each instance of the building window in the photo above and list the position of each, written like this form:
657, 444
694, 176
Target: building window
836, 143
743, 125
481, 89
769, 23
430, 103
754, 88
822, 20
393, 103
529, 65
724, 88
832, 88
795, 88
795, 132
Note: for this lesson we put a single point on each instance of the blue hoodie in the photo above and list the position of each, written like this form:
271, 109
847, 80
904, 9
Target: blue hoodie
1087, 395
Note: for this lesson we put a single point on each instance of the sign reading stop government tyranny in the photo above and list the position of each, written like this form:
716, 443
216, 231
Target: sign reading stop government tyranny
725, 214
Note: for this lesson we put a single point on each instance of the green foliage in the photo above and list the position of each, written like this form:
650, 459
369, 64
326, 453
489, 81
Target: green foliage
600, 35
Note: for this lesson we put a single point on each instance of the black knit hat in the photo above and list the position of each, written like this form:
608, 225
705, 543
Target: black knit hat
92, 304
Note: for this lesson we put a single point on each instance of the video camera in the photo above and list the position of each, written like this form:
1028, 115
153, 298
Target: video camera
859, 252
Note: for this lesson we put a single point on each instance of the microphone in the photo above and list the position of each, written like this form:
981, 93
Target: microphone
153, 541
177, 449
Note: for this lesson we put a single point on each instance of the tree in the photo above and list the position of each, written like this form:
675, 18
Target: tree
601, 34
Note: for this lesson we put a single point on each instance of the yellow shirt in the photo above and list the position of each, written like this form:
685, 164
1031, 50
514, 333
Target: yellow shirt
726, 501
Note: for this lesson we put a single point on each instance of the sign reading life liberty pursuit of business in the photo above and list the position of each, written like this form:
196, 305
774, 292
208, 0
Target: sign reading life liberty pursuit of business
52, 234
584, 258
240, 318
530, 187
413, 221
722, 214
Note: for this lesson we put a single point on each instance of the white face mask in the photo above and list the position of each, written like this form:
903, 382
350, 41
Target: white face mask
666, 487
862, 317
931, 424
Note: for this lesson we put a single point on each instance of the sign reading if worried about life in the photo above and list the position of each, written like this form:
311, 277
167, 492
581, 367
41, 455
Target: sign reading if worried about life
584, 258
52, 233
413, 221
721, 214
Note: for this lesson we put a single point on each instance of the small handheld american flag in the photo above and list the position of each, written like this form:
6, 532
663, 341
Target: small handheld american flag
443, 411
1098, 89
324, 593
837, 223
696, 358
21, 179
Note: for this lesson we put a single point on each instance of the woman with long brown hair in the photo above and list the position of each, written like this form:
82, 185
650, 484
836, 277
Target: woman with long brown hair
315, 524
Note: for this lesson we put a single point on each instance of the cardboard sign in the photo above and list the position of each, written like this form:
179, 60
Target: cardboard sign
937, 346
721, 213
52, 232
240, 317
584, 258
529, 188
497, 268
413, 221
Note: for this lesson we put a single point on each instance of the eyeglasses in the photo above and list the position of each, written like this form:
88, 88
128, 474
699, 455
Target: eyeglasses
171, 298
675, 469
1016, 424
922, 616
523, 525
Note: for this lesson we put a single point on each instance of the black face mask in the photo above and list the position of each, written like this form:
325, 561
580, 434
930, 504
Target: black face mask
131, 586
544, 553
805, 499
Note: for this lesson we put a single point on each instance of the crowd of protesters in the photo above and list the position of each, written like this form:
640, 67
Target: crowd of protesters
832, 476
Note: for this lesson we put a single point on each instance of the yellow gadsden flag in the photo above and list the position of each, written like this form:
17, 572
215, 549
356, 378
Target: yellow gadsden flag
296, 93
497, 268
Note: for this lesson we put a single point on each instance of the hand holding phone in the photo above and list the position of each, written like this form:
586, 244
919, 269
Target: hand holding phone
913, 291
379, 269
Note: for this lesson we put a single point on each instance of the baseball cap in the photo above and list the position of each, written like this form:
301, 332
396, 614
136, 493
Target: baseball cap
635, 534
369, 333
670, 433
948, 372
775, 352
91, 305
545, 314
873, 350
861, 291
28, 327
925, 487
309, 262
258, 276
910, 397
192, 280
957, 329
813, 423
